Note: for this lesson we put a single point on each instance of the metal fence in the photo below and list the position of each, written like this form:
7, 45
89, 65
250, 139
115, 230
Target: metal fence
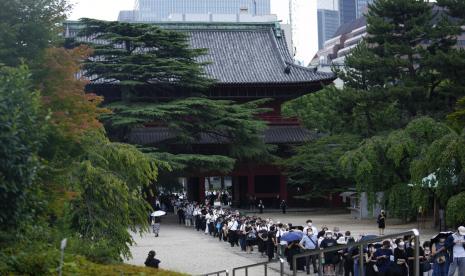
247, 267
217, 273
361, 246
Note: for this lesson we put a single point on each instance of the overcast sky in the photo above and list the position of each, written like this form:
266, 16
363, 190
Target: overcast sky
305, 23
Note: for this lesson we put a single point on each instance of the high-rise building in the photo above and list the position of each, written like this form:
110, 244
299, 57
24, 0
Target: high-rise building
160, 10
126, 16
328, 23
362, 6
348, 10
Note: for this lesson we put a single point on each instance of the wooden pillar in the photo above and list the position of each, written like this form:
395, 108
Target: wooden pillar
283, 187
250, 184
202, 189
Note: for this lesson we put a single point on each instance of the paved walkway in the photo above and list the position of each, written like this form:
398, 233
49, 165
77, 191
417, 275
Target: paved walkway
186, 250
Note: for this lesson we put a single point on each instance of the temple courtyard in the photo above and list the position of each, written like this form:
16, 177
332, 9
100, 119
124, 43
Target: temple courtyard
186, 250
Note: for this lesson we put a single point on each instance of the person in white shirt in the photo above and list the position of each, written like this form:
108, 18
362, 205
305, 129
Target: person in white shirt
281, 245
310, 225
456, 244
232, 232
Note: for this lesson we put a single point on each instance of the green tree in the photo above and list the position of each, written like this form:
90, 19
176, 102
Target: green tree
457, 118
316, 165
234, 125
28, 27
109, 199
454, 212
140, 55
21, 136
355, 111
408, 66
382, 162
146, 62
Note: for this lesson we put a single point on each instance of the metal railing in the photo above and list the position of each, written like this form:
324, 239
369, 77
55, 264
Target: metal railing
265, 267
217, 273
361, 245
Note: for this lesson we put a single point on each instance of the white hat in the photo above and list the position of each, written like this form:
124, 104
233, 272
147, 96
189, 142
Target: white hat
462, 230
341, 240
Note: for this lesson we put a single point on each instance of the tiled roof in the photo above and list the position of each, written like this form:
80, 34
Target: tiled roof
251, 56
272, 135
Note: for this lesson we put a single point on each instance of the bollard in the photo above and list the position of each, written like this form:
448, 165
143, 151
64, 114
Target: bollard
266, 269
281, 266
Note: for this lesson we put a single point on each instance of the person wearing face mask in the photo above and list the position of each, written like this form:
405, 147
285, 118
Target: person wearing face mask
331, 258
371, 268
455, 243
440, 258
309, 243
399, 267
324, 229
428, 271
310, 225
383, 257
424, 264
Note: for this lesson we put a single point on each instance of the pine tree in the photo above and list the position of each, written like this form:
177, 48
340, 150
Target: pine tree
145, 63
137, 56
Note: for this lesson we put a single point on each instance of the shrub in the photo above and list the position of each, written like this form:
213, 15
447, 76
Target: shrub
455, 214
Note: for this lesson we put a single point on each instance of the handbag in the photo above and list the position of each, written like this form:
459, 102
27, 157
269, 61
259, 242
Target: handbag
441, 259
251, 236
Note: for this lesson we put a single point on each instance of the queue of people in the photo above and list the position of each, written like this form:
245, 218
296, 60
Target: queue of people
442, 256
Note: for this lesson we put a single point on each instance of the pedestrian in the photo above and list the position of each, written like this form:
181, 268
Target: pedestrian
383, 258
330, 258
381, 222
440, 258
283, 206
399, 267
151, 261
156, 221
269, 245
261, 206
348, 260
309, 243
280, 244
293, 249
311, 226
455, 243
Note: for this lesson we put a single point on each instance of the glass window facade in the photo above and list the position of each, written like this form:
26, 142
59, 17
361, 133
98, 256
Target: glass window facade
159, 10
362, 6
348, 10
328, 23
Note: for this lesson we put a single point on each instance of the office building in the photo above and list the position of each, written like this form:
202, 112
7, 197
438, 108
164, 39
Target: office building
126, 16
328, 23
347, 10
160, 10
362, 7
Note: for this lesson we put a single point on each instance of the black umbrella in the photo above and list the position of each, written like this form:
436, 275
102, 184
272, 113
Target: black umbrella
441, 235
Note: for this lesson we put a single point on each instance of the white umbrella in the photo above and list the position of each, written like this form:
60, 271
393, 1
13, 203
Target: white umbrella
158, 213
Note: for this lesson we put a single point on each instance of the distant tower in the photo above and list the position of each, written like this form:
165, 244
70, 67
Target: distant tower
328, 23
348, 10
362, 6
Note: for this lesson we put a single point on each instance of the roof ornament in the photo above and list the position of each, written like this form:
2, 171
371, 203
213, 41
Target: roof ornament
287, 70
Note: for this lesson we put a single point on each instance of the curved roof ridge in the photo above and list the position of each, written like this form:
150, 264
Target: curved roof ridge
276, 47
